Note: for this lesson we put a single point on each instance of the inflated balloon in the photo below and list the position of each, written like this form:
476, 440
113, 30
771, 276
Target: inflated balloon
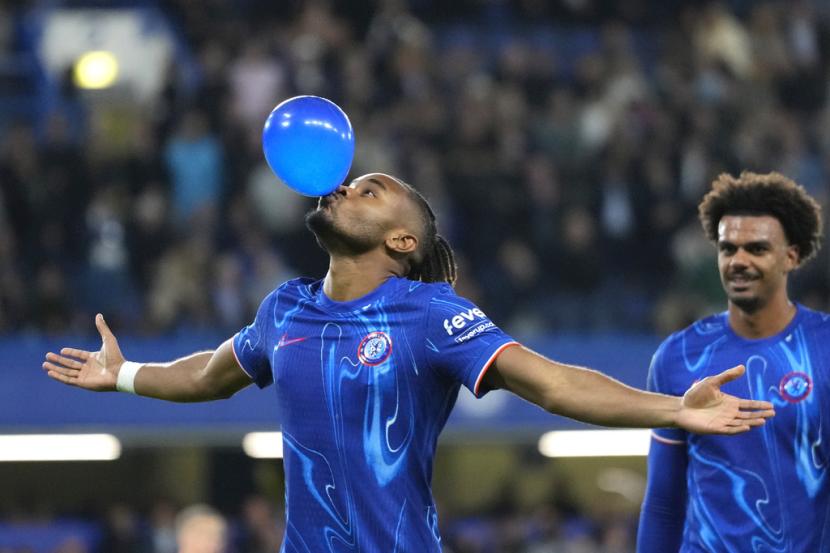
309, 144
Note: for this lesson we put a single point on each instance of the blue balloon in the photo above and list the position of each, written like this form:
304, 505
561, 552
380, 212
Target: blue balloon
309, 144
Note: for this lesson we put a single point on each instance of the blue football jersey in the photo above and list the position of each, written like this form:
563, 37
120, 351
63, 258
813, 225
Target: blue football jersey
363, 390
767, 490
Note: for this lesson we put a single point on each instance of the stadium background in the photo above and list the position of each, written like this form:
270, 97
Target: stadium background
564, 144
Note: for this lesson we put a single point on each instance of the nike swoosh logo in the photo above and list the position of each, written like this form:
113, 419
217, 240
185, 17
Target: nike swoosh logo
287, 342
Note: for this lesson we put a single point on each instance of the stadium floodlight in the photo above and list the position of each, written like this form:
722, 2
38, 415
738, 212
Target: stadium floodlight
263, 445
96, 70
595, 443
59, 447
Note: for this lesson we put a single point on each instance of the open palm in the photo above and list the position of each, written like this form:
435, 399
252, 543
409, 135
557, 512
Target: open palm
707, 410
91, 370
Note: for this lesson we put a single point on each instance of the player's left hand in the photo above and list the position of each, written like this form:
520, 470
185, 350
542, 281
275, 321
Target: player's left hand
707, 410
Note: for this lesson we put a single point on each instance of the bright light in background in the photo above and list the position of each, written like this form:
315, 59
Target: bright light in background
59, 447
142, 39
595, 443
96, 70
263, 445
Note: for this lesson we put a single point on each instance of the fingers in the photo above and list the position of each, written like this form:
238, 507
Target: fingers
57, 369
102, 327
66, 367
728, 375
64, 361
59, 376
732, 430
76, 353
740, 422
755, 405
743, 422
765, 414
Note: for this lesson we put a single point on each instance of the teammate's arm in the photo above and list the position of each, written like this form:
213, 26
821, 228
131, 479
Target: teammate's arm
201, 376
662, 516
593, 397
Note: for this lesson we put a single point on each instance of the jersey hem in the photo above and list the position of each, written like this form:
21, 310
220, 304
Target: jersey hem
669, 441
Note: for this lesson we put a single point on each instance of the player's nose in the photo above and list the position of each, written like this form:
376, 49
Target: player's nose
739, 259
342, 190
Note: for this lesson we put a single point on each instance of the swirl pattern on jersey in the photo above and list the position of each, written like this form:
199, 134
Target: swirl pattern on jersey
765, 491
364, 388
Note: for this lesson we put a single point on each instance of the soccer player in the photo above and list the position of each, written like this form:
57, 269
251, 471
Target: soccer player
366, 366
766, 491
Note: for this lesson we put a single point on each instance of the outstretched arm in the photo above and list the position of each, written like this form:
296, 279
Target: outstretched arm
593, 397
201, 376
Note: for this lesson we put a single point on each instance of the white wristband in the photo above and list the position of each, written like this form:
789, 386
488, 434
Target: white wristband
126, 376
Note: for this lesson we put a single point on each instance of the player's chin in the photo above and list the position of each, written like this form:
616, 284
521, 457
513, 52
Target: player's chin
747, 300
318, 219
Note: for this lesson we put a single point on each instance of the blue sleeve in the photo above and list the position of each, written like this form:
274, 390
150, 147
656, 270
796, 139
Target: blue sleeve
461, 341
663, 513
662, 516
250, 345
659, 380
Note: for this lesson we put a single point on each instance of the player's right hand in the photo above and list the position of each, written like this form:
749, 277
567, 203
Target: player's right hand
91, 370
707, 410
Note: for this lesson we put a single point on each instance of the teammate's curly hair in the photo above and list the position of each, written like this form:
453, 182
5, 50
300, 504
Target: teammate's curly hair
768, 194
434, 261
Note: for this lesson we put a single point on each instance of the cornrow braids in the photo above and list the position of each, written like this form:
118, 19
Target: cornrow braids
434, 261
438, 263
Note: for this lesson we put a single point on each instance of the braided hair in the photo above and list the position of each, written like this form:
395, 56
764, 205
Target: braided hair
434, 260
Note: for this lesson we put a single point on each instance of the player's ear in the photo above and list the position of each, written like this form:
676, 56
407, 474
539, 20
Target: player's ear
793, 257
401, 241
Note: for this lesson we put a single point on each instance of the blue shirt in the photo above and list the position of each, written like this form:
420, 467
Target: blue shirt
766, 490
363, 389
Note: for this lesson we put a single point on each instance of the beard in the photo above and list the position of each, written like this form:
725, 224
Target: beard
752, 302
336, 240
747, 304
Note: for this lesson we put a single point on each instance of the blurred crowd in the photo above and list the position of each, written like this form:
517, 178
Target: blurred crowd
258, 528
564, 146
163, 528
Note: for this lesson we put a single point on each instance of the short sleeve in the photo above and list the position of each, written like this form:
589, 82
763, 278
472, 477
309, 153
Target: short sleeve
250, 345
461, 341
658, 381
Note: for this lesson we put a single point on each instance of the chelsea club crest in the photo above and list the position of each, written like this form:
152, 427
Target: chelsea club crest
795, 386
375, 348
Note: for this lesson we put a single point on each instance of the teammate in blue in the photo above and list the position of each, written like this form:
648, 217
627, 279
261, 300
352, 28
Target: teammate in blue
766, 491
366, 366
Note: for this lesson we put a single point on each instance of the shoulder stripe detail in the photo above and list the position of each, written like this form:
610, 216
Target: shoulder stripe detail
489, 362
668, 441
